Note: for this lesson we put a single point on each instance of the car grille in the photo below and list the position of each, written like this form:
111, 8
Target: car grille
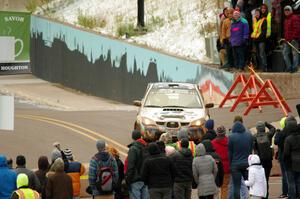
172, 124
185, 123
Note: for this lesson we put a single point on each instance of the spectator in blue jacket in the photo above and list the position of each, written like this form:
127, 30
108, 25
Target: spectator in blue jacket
240, 146
8, 179
239, 34
101, 159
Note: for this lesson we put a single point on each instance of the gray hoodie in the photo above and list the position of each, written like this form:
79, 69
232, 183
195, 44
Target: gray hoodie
204, 172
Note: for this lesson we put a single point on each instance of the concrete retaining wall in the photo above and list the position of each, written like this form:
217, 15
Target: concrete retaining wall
288, 84
111, 68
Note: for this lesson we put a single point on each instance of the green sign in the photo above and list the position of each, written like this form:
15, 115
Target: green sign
14, 42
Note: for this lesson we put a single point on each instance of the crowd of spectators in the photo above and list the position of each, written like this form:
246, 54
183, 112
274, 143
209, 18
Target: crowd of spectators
217, 162
250, 31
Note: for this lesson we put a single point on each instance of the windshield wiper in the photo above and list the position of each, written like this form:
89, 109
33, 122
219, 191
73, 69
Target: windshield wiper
153, 106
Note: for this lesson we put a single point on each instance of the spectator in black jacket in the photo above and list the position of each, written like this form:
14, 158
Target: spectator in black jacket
135, 160
158, 173
263, 147
281, 136
291, 158
277, 140
34, 182
183, 161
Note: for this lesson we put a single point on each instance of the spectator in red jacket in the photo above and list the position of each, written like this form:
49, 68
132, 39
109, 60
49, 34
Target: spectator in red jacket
292, 37
220, 144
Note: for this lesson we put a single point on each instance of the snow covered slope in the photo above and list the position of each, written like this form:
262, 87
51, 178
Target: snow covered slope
182, 24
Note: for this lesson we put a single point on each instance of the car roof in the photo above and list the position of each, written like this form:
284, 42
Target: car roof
173, 85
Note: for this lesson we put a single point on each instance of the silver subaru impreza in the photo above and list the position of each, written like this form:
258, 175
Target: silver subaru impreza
171, 107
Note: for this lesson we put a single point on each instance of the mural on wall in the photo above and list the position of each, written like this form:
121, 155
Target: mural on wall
110, 68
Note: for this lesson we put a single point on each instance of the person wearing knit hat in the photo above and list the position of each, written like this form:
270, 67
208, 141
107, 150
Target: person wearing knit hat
211, 133
288, 8
100, 144
135, 135
220, 144
221, 130
158, 172
102, 159
68, 154
291, 37
183, 161
75, 170
170, 151
133, 163
239, 35
236, 14
263, 147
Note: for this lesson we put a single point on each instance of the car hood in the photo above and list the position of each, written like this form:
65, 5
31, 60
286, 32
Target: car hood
173, 114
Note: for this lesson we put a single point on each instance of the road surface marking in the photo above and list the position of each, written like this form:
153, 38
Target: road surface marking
80, 127
61, 124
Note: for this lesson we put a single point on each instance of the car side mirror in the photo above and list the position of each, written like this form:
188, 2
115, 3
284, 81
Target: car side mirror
137, 103
209, 105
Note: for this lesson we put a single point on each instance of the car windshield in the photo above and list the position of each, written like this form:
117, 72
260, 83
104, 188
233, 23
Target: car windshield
175, 97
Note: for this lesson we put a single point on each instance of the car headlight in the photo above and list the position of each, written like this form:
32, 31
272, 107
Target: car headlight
148, 122
198, 122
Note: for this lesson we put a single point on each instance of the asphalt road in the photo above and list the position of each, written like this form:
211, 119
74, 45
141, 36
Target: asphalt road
37, 129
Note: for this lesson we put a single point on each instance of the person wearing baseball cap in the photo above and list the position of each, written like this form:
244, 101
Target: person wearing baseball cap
292, 38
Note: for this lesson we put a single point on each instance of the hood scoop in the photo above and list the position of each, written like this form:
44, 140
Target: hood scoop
173, 109
173, 116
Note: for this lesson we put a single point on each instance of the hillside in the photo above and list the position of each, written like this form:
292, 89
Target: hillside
177, 27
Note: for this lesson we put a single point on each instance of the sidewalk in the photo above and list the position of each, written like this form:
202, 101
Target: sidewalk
29, 89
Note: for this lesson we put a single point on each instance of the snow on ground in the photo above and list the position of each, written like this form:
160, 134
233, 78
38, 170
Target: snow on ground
180, 31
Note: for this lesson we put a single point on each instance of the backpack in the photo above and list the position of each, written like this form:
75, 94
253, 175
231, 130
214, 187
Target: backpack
104, 178
264, 149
